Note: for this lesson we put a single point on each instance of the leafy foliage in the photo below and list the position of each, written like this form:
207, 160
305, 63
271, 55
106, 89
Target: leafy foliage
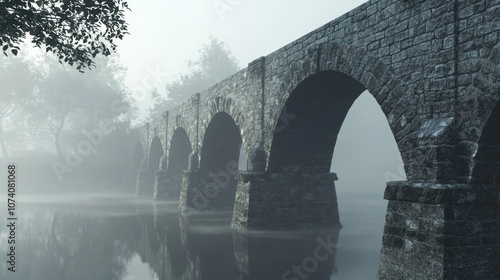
75, 30
68, 103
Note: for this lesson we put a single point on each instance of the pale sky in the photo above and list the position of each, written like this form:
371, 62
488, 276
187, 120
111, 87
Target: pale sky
165, 33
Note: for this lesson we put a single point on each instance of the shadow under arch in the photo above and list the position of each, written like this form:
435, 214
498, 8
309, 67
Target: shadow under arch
486, 168
168, 182
304, 139
397, 101
297, 191
180, 148
155, 154
219, 156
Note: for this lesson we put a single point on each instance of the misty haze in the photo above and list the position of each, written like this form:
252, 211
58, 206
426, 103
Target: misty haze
222, 140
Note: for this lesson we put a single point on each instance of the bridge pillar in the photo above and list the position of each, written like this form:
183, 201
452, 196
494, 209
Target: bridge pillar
168, 185
207, 191
285, 201
441, 231
145, 182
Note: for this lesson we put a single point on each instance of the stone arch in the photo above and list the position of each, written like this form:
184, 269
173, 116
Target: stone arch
353, 67
304, 138
486, 168
180, 149
221, 140
155, 154
219, 160
477, 120
187, 122
227, 106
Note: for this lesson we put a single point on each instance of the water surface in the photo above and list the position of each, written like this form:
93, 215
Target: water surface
82, 236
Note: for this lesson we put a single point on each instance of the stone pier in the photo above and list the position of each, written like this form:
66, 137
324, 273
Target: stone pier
285, 201
167, 185
441, 231
202, 191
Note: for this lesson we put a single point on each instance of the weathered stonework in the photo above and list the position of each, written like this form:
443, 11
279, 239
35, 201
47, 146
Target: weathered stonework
434, 69
285, 201
425, 62
441, 231
167, 185
201, 193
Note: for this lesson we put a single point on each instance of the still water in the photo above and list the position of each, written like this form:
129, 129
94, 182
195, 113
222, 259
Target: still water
71, 237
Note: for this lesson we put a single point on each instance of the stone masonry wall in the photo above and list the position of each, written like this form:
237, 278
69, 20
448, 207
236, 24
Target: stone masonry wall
441, 231
285, 201
434, 68
405, 53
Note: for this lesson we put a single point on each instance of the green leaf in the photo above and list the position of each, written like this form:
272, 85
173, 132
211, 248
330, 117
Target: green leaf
5, 47
14, 51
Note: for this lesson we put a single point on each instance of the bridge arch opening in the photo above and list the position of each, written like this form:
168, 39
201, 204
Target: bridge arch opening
487, 157
155, 154
220, 154
306, 132
180, 148
366, 157
242, 160
331, 123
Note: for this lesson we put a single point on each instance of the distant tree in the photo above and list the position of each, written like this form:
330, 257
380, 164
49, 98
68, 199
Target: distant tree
75, 30
215, 63
18, 81
69, 104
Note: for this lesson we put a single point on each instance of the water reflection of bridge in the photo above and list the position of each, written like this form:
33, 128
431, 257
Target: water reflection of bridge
197, 251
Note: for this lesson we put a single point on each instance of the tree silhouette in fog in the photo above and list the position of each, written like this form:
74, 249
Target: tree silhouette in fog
69, 105
18, 82
215, 63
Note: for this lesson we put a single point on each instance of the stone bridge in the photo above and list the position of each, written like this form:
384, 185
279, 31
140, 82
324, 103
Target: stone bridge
432, 66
